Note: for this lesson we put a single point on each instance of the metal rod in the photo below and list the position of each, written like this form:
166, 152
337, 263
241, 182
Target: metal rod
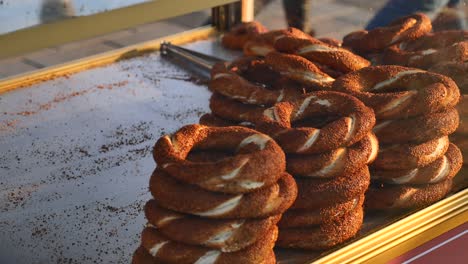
201, 60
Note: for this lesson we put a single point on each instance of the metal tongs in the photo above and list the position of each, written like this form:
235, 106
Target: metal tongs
194, 61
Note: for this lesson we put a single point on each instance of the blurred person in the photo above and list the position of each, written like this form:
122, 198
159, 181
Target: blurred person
52, 10
394, 9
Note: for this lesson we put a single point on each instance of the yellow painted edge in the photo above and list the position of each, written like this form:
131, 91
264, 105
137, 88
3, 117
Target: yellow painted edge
29, 78
84, 27
379, 245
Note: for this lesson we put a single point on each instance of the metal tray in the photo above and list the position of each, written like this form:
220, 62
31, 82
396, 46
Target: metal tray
75, 161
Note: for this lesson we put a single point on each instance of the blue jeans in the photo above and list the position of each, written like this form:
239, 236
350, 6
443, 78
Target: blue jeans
394, 9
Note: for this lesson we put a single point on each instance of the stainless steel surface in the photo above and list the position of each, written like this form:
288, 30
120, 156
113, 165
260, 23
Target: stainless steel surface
75, 157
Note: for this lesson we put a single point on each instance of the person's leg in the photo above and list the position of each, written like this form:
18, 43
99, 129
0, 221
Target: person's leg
297, 14
394, 9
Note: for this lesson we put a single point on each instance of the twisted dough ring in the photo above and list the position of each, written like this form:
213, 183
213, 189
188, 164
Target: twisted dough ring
226, 235
316, 193
305, 217
167, 251
354, 122
332, 59
265, 202
299, 69
411, 155
385, 197
240, 34
417, 129
458, 71
429, 50
341, 161
441, 169
263, 44
213, 120
228, 81
233, 110
398, 92
236, 174
324, 236
404, 29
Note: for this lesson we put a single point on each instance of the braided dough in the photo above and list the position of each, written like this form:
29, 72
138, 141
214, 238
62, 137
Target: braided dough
353, 123
226, 235
236, 174
341, 161
240, 34
443, 168
396, 92
403, 29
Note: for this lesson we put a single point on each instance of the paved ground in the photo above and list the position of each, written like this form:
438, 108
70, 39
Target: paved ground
333, 18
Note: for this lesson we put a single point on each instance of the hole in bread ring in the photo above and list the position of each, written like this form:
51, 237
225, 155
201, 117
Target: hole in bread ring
237, 173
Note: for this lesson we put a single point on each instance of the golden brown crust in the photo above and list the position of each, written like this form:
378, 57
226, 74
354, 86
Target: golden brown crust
339, 59
354, 122
316, 193
229, 81
403, 29
265, 202
262, 44
230, 174
240, 34
417, 129
336, 162
458, 71
227, 235
396, 92
174, 252
230, 109
306, 217
141, 256
216, 121
444, 168
410, 155
387, 196
324, 236
299, 69
430, 49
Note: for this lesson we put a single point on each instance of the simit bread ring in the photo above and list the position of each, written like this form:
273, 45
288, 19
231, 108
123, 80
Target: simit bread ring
458, 71
338, 59
240, 34
163, 249
216, 121
353, 121
324, 236
385, 197
233, 110
141, 256
305, 217
299, 69
403, 29
417, 129
229, 82
262, 44
336, 162
441, 169
239, 173
396, 92
429, 50
268, 201
318, 193
226, 235
411, 155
